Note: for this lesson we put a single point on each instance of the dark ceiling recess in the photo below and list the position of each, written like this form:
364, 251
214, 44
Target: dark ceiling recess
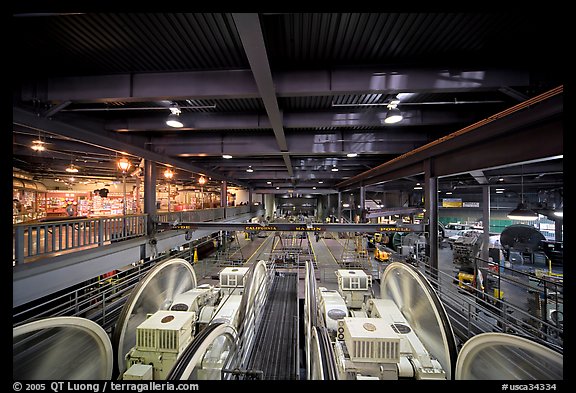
316, 88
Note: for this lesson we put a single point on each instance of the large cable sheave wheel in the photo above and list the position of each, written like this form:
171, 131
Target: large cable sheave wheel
206, 354
310, 313
61, 348
256, 278
419, 304
155, 292
502, 356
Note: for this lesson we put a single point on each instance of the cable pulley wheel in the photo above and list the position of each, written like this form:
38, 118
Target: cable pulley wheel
156, 291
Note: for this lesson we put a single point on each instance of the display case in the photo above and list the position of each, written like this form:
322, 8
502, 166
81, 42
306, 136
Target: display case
29, 200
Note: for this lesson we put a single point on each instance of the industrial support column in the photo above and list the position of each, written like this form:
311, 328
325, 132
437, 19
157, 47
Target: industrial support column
339, 208
250, 198
362, 203
486, 221
269, 205
149, 192
558, 230
224, 197
431, 215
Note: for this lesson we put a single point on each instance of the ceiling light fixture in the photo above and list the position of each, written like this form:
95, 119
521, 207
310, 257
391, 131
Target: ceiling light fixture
334, 169
250, 169
448, 192
352, 155
320, 182
124, 164
522, 213
268, 182
394, 115
72, 169
173, 119
226, 156
559, 213
314, 187
168, 174
38, 146
277, 187
418, 188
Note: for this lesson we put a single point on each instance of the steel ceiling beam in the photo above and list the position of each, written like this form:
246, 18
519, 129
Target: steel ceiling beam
292, 120
228, 84
304, 144
107, 140
250, 32
479, 176
511, 136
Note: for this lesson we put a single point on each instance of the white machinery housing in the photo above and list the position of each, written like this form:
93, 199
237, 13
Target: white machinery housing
354, 286
232, 279
333, 306
160, 340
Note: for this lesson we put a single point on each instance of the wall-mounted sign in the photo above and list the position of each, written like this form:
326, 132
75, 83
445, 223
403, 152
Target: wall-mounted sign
470, 204
452, 202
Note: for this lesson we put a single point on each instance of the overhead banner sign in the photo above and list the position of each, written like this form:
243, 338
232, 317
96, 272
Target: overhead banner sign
452, 202
299, 227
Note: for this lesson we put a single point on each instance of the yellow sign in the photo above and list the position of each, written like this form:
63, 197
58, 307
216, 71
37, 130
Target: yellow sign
311, 229
394, 229
452, 202
184, 227
260, 228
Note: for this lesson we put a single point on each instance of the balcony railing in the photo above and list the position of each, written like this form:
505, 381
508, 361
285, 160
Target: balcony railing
35, 240
40, 238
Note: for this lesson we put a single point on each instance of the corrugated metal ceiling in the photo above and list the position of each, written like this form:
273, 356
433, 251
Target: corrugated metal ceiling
316, 40
129, 42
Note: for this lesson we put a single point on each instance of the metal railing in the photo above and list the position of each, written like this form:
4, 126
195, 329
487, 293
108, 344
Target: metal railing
39, 238
473, 311
99, 300
213, 214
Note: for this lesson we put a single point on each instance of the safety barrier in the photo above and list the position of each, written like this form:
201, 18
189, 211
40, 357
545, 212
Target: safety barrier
40, 238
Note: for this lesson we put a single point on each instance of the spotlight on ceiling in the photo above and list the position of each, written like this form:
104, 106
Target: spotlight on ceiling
226, 156
250, 169
393, 116
173, 119
352, 155
334, 169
